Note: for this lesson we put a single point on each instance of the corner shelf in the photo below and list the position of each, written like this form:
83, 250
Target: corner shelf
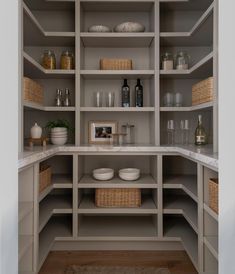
117, 109
211, 243
213, 214
34, 106
62, 181
188, 109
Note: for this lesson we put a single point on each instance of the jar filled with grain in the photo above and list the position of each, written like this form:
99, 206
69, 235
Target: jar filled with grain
49, 59
67, 60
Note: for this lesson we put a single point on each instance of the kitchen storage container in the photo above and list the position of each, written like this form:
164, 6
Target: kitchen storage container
182, 61
214, 194
33, 92
202, 92
49, 59
118, 197
44, 177
167, 61
67, 60
115, 64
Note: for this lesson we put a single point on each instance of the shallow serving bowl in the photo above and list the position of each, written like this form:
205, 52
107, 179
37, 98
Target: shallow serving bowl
129, 174
99, 28
60, 141
129, 27
103, 174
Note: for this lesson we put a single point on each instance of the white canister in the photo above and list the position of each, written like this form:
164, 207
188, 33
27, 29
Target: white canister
36, 131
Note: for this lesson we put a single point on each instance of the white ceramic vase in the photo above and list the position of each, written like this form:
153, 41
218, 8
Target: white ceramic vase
36, 131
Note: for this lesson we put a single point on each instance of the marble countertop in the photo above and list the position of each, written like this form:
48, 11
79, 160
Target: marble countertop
203, 155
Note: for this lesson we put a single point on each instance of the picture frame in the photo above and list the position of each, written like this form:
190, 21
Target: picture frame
99, 132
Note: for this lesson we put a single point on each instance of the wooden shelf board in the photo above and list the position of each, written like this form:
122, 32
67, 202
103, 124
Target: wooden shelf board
184, 205
25, 208
25, 242
117, 74
212, 244
188, 183
117, 109
45, 192
145, 181
202, 69
62, 181
35, 106
117, 226
191, 108
117, 40
87, 206
211, 212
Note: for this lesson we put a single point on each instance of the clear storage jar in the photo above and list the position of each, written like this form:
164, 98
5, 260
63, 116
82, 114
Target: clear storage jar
167, 61
182, 60
49, 59
67, 60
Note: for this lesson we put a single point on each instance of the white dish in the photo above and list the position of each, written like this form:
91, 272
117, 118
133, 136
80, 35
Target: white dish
129, 27
59, 141
59, 134
99, 28
129, 174
59, 129
103, 174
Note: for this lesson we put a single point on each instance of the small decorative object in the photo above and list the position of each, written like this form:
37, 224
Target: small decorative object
33, 92
130, 134
110, 96
58, 98
67, 100
103, 174
99, 28
202, 91
178, 99
98, 98
58, 131
170, 132
182, 60
129, 27
129, 174
115, 64
40, 141
167, 61
168, 99
67, 60
36, 131
100, 131
49, 59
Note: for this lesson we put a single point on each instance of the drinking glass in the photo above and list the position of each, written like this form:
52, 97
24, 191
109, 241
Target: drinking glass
168, 99
98, 98
178, 99
110, 96
170, 132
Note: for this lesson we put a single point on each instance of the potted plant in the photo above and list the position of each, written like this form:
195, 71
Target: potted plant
58, 131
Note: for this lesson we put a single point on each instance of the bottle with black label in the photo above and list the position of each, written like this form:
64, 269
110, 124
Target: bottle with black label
200, 133
138, 94
125, 94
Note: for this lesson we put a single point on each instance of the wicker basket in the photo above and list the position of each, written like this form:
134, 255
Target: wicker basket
118, 197
115, 64
33, 92
213, 194
44, 178
202, 92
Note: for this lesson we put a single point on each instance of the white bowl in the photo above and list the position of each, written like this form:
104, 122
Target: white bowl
129, 174
129, 27
60, 141
99, 28
59, 129
59, 134
103, 174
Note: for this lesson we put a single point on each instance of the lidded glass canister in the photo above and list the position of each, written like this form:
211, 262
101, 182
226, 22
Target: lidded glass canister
167, 61
67, 60
49, 59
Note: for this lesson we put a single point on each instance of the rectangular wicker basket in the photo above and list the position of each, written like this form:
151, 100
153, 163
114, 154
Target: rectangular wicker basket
33, 91
115, 64
214, 194
44, 178
118, 197
202, 92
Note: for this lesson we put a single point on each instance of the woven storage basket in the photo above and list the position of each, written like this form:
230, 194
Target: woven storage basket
118, 197
33, 92
115, 64
214, 195
202, 92
44, 178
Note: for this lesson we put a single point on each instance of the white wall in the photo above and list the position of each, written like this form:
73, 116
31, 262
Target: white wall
227, 135
8, 136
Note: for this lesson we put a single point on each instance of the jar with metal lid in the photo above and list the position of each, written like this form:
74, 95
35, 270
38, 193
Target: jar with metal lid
129, 132
167, 61
182, 60
67, 60
49, 59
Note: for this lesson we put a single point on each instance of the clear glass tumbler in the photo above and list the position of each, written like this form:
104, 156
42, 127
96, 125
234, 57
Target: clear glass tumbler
110, 97
98, 99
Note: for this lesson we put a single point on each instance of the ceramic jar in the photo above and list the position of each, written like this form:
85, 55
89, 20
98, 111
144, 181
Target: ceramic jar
36, 131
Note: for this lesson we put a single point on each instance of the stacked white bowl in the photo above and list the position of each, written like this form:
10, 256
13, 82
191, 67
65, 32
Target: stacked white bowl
103, 174
129, 174
59, 135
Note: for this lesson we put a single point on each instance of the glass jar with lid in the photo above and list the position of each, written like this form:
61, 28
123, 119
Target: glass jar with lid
49, 59
167, 61
67, 60
182, 60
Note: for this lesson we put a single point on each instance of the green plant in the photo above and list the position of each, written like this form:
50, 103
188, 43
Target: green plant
59, 123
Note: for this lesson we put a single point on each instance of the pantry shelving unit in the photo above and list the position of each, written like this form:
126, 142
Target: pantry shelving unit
175, 213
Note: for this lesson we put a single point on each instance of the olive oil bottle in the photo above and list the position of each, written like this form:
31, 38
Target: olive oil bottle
200, 133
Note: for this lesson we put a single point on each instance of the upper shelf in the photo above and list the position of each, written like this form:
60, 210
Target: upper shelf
35, 35
185, 4
201, 33
117, 40
50, 4
204, 106
202, 69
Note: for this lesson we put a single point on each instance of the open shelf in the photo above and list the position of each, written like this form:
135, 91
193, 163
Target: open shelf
212, 244
177, 228
53, 204
185, 109
185, 5
31, 105
62, 181
25, 242
112, 39
201, 33
87, 206
117, 109
181, 204
25, 208
202, 69
188, 183
50, 5
211, 212
117, 227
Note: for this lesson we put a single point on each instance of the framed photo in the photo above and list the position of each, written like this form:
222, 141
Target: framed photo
99, 131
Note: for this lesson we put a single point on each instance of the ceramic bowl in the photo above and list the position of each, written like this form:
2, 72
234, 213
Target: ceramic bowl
103, 174
60, 141
58, 129
129, 174
129, 27
62, 134
99, 28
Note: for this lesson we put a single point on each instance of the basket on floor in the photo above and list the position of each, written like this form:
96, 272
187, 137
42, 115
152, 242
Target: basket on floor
118, 197
202, 92
214, 195
115, 64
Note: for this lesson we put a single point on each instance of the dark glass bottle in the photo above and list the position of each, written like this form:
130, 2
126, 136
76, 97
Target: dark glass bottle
200, 133
125, 94
139, 94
